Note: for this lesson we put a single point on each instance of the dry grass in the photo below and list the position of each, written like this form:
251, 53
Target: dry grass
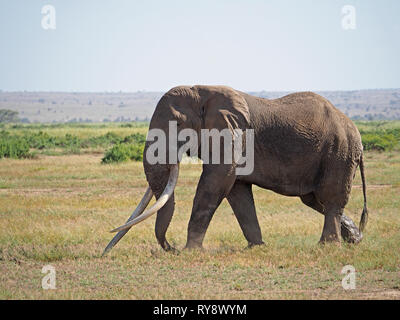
58, 211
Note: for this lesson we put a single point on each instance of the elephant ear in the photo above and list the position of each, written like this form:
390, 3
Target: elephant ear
225, 109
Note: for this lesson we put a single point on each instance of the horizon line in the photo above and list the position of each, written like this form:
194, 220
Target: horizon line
161, 91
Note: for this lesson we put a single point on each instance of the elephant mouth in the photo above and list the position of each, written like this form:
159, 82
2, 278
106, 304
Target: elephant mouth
140, 213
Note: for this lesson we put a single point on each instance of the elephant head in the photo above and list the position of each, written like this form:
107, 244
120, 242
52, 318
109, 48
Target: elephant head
194, 108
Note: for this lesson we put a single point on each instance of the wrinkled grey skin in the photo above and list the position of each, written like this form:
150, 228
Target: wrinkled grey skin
304, 147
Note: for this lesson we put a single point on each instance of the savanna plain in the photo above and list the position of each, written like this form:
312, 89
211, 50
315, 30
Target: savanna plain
57, 207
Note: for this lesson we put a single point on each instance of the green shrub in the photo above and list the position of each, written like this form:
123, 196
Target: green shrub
129, 148
380, 142
137, 138
122, 152
12, 147
70, 142
104, 140
40, 140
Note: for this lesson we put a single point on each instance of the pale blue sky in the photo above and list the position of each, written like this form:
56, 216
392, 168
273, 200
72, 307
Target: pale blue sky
155, 45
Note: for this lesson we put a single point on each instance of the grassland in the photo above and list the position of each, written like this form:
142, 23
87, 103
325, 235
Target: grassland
58, 210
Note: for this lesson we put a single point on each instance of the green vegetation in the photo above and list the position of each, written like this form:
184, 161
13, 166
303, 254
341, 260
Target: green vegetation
19, 140
379, 142
11, 147
380, 135
123, 152
131, 148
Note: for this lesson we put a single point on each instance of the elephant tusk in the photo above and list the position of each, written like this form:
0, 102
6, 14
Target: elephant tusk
140, 208
169, 189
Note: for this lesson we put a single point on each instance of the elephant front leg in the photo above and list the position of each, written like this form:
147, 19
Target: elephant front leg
214, 185
242, 202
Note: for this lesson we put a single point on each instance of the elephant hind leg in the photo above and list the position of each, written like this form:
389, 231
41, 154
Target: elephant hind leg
349, 231
241, 200
331, 231
311, 201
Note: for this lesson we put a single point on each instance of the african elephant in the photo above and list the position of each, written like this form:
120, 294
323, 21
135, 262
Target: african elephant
303, 146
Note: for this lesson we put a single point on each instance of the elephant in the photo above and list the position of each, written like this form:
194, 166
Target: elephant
303, 147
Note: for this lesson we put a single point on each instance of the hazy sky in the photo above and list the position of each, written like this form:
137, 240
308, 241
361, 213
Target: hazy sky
155, 45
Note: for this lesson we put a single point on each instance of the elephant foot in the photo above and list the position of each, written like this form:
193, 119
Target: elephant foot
323, 242
192, 245
252, 244
332, 239
167, 247
350, 232
191, 248
173, 251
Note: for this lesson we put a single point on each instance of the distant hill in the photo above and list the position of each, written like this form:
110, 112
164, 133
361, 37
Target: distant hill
375, 104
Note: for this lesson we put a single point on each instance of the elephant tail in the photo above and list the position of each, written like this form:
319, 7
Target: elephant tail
364, 215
